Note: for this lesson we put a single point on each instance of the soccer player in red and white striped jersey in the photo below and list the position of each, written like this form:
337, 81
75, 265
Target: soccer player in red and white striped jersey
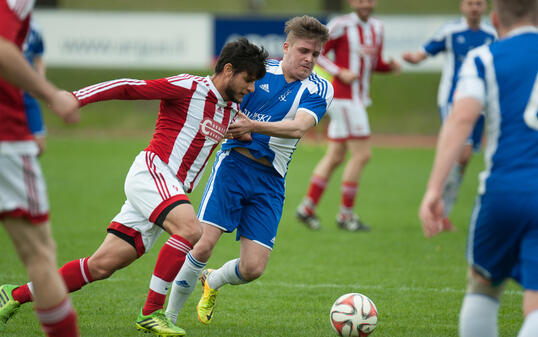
24, 205
356, 42
194, 115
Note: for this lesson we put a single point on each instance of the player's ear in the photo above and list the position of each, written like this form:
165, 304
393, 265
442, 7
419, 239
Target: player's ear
228, 70
494, 19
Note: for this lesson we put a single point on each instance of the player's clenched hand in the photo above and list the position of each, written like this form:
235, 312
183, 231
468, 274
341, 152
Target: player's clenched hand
240, 126
65, 105
431, 213
395, 66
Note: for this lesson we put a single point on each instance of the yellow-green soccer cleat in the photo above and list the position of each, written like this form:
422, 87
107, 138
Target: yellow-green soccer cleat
8, 306
207, 302
159, 324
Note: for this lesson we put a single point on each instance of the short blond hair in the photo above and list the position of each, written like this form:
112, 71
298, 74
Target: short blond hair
512, 11
306, 27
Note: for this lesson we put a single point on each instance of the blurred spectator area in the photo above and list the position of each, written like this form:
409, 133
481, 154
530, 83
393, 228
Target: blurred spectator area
264, 7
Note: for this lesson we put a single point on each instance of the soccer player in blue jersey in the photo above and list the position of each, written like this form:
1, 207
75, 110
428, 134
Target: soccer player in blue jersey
455, 39
501, 79
245, 191
33, 49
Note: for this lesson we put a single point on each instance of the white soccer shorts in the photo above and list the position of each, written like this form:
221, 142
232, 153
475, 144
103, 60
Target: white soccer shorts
23, 192
152, 191
349, 120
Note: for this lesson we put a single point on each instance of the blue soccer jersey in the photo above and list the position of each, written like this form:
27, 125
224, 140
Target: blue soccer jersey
503, 231
455, 39
273, 100
504, 81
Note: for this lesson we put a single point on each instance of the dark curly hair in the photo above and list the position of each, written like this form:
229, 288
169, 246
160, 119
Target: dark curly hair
243, 56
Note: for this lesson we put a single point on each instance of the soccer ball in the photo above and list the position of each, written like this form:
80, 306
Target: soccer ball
353, 315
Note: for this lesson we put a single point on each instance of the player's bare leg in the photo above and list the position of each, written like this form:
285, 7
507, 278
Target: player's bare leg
360, 150
334, 157
185, 230
530, 311
37, 251
113, 254
251, 264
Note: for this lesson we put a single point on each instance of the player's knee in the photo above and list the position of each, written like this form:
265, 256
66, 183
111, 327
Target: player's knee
202, 250
250, 272
190, 229
477, 284
39, 254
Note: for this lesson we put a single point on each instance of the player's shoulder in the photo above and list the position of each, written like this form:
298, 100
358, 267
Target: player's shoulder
453, 26
187, 80
375, 22
319, 85
338, 25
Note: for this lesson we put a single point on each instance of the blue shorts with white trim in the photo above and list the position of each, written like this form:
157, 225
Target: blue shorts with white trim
503, 237
245, 195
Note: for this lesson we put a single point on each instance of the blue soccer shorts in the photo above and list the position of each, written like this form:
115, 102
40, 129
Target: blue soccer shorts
503, 237
245, 195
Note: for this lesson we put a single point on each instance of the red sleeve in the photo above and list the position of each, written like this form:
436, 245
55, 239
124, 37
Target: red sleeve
12, 28
131, 89
381, 65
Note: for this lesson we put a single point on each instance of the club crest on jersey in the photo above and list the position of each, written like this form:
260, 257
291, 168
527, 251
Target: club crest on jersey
212, 129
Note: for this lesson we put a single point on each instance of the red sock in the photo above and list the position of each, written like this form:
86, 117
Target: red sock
349, 191
59, 321
75, 274
169, 262
22, 294
315, 191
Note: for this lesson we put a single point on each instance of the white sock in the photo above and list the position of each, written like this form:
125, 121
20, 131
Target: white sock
478, 316
452, 188
227, 274
183, 285
530, 326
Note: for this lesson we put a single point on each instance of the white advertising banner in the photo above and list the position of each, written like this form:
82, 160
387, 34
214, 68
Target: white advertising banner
409, 33
126, 40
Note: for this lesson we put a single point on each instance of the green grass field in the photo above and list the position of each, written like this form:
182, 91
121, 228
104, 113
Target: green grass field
417, 284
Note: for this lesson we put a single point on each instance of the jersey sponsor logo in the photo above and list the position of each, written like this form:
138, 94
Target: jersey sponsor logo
257, 116
265, 87
212, 129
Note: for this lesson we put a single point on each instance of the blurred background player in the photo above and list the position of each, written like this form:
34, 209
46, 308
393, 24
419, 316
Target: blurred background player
501, 79
33, 49
455, 39
194, 115
356, 42
24, 208
246, 188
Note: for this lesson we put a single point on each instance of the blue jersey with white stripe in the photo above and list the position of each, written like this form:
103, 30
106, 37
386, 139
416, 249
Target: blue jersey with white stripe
275, 100
504, 78
455, 39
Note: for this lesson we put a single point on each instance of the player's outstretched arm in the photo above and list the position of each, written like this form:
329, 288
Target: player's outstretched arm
414, 57
15, 69
294, 128
452, 137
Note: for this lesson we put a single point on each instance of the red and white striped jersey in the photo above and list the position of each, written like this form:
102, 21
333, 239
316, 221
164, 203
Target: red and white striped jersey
357, 46
14, 23
193, 118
